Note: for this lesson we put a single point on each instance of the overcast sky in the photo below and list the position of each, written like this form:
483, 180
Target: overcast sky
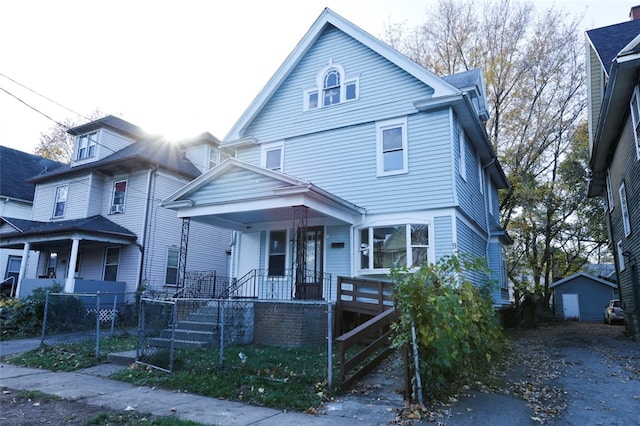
173, 67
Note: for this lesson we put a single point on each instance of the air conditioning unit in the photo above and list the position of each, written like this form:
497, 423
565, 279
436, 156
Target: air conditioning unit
117, 208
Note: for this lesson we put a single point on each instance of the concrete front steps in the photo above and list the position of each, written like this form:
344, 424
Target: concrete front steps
199, 330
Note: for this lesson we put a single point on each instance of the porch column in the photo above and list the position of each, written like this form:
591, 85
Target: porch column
23, 266
69, 285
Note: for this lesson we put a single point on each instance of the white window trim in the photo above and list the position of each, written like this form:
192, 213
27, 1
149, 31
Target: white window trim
118, 208
92, 139
624, 209
344, 82
286, 250
55, 201
620, 251
463, 153
271, 147
480, 175
609, 191
380, 127
377, 271
166, 266
634, 106
105, 264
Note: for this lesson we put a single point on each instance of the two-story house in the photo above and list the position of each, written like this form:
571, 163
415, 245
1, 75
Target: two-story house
16, 200
353, 159
613, 63
97, 223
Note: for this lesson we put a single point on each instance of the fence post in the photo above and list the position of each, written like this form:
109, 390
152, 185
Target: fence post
97, 325
173, 333
329, 346
222, 320
44, 320
113, 314
141, 332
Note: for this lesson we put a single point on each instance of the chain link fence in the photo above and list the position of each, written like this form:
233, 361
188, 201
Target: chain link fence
78, 317
169, 329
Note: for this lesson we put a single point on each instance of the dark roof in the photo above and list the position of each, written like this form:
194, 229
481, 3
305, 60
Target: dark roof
16, 167
609, 41
464, 79
111, 122
148, 152
92, 225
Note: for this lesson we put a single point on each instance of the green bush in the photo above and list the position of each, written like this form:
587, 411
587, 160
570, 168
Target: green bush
23, 317
457, 332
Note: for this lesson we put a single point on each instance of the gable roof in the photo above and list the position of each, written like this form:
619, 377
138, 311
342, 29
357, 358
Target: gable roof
610, 40
261, 194
615, 104
16, 167
145, 153
585, 275
329, 18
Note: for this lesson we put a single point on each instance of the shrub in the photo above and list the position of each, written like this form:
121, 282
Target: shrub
23, 317
457, 331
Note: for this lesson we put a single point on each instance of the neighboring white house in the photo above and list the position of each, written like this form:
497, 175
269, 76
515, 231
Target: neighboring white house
351, 160
97, 222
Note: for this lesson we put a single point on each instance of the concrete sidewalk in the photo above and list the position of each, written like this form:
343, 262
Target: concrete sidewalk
93, 387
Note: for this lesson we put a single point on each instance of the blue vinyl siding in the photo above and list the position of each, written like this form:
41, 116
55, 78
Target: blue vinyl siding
472, 244
385, 91
225, 188
443, 238
470, 199
337, 259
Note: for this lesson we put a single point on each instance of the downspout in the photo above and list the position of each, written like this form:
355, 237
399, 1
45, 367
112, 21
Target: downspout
143, 240
487, 194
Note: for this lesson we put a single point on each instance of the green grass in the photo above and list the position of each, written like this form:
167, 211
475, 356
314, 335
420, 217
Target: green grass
72, 356
283, 378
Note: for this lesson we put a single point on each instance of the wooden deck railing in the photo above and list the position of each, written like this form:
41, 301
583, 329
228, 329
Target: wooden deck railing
377, 333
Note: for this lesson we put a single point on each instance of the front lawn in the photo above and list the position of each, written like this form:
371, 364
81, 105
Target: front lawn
283, 378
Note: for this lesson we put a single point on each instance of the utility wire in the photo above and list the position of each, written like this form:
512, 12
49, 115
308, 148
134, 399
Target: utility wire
43, 96
34, 108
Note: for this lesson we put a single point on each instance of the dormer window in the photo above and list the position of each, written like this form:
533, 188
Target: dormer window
332, 87
87, 145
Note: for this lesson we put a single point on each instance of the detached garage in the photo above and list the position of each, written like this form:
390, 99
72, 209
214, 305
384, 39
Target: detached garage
582, 297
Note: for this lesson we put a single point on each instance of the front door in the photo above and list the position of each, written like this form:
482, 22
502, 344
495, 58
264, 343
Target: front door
309, 268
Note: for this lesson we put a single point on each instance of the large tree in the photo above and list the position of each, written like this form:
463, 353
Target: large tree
534, 72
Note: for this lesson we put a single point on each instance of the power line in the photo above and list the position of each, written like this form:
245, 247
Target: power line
43, 96
33, 108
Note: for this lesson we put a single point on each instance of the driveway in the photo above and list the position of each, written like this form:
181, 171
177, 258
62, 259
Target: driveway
567, 373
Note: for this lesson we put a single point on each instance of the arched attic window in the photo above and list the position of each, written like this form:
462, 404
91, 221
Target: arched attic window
332, 88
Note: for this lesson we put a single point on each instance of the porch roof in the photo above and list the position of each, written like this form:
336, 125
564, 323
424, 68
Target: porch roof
237, 195
41, 235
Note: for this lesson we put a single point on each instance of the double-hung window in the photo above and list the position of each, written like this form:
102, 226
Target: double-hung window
272, 156
609, 191
625, 210
61, 201
277, 252
119, 193
112, 258
635, 118
87, 145
620, 253
463, 153
216, 157
171, 272
391, 143
385, 247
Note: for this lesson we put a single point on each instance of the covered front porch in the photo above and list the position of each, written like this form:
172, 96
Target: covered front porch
288, 233
82, 255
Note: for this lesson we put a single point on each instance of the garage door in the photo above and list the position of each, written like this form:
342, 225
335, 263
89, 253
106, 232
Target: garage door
570, 307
